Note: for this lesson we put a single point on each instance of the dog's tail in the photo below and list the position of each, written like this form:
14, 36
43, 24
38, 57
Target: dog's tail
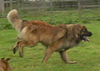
14, 19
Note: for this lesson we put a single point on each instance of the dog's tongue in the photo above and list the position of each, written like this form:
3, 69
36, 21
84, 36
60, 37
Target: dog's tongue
86, 38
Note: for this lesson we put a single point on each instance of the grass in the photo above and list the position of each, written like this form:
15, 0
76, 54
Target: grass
87, 54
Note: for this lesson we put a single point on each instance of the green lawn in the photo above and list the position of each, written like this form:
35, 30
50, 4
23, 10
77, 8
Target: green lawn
87, 54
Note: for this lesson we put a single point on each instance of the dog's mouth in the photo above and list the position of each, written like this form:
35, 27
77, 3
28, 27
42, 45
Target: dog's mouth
85, 38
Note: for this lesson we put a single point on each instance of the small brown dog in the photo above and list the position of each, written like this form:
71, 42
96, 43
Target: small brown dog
56, 38
4, 66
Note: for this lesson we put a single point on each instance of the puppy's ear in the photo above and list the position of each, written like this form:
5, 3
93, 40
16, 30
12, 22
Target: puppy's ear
2, 58
7, 59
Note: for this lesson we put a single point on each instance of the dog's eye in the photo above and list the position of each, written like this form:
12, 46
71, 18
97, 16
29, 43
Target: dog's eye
83, 30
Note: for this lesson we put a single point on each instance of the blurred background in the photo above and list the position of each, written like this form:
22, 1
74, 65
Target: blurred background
54, 11
83, 7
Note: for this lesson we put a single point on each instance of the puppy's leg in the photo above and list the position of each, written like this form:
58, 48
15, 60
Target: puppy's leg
64, 57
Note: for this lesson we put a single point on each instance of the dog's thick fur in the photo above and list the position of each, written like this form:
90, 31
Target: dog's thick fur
4, 66
56, 38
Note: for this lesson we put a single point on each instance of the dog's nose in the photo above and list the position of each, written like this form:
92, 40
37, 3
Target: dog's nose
90, 34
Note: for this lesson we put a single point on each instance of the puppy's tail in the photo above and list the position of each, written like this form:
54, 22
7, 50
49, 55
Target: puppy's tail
14, 19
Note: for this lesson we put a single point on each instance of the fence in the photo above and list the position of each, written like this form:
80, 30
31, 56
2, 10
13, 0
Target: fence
84, 8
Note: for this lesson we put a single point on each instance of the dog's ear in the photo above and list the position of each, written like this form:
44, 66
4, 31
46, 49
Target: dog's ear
84, 27
77, 30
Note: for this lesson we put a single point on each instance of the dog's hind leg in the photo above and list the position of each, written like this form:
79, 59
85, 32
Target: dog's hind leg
64, 57
21, 51
22, 44
16, 47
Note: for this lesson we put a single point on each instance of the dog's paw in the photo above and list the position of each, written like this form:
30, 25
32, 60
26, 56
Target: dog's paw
14, 50
21, 55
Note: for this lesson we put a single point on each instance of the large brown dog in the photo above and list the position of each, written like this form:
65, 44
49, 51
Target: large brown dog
56, 38
4, 66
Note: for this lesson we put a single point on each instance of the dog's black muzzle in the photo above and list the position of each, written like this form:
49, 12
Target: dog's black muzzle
86, 35
89, 34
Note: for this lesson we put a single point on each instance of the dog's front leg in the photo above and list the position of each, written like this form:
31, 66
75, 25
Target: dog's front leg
64, 57
48, 53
